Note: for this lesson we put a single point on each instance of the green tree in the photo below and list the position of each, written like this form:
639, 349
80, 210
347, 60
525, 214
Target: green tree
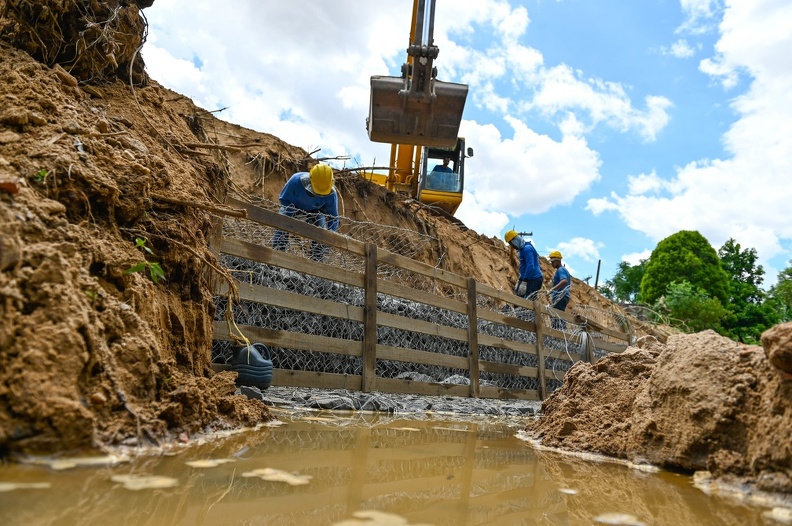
741, 267
780, 294
626, 283
689, 308
749, 312
684, 256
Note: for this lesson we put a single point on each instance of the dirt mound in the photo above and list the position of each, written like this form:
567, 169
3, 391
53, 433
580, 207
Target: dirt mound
92, 354
697, 402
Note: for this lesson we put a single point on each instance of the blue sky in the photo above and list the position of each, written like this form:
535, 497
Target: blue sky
601, 126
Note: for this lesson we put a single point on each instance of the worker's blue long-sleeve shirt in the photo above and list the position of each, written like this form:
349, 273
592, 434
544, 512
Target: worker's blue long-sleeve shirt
297, 195
529, 262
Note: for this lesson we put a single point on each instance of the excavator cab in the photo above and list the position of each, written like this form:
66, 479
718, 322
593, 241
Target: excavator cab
441, 184
416, 108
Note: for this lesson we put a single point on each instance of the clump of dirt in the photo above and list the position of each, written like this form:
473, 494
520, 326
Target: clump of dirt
94, 41
697, 402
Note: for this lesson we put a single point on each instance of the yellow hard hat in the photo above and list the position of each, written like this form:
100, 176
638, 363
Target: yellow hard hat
511, 234
555, 254
322, 179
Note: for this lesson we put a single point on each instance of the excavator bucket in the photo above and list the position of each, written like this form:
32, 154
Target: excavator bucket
397, 118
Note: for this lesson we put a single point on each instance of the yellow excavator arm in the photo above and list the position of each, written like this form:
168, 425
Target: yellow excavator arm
420, 116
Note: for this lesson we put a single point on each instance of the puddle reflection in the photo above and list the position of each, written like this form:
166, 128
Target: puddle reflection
325, 469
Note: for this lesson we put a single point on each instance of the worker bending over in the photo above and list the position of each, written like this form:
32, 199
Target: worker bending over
309, 196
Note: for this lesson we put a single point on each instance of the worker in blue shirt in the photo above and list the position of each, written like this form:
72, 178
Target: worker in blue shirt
443, 167
530, 279
562, 283
310, 196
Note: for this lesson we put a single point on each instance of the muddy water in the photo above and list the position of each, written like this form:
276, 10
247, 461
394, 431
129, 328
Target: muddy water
336, 468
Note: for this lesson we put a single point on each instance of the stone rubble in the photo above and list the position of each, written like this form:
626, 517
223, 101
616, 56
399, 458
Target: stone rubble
346, 400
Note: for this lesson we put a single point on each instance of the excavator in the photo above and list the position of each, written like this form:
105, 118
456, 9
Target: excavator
420, 116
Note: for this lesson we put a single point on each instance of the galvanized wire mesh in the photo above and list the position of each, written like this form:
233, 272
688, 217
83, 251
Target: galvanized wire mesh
405, 243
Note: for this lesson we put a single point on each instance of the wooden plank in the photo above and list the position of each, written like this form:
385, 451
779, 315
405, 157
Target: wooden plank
473, 350
597, 327
295, 226
569, 318
555, 374
511, 321
492, 292
420, 296
565, 354
509, 369
509, 394
506, 296
424, 327
510, 345
294, 301
401, 354
370, 320
561, 335
262, 254
609, 347
289, 378
423, 269
394, 385
292, 340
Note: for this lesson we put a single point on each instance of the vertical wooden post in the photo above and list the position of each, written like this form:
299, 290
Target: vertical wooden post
540, 349
473, 351
368, 380
215, 241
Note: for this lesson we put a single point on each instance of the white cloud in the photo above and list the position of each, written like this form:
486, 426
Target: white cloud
561, 90
576, 249
645, 183
480, 217
680, 49
528, 173
716, 67
580, 247
699, 15
635, 258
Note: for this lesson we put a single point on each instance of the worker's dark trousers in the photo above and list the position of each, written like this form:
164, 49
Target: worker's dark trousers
316, 250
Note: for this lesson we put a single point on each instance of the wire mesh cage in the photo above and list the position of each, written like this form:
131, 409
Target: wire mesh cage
438, 327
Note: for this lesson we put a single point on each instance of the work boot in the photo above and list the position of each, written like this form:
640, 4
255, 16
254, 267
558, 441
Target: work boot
253, 365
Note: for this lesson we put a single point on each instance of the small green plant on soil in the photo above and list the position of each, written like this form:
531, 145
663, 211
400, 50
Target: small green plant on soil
154, 269
41, 176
